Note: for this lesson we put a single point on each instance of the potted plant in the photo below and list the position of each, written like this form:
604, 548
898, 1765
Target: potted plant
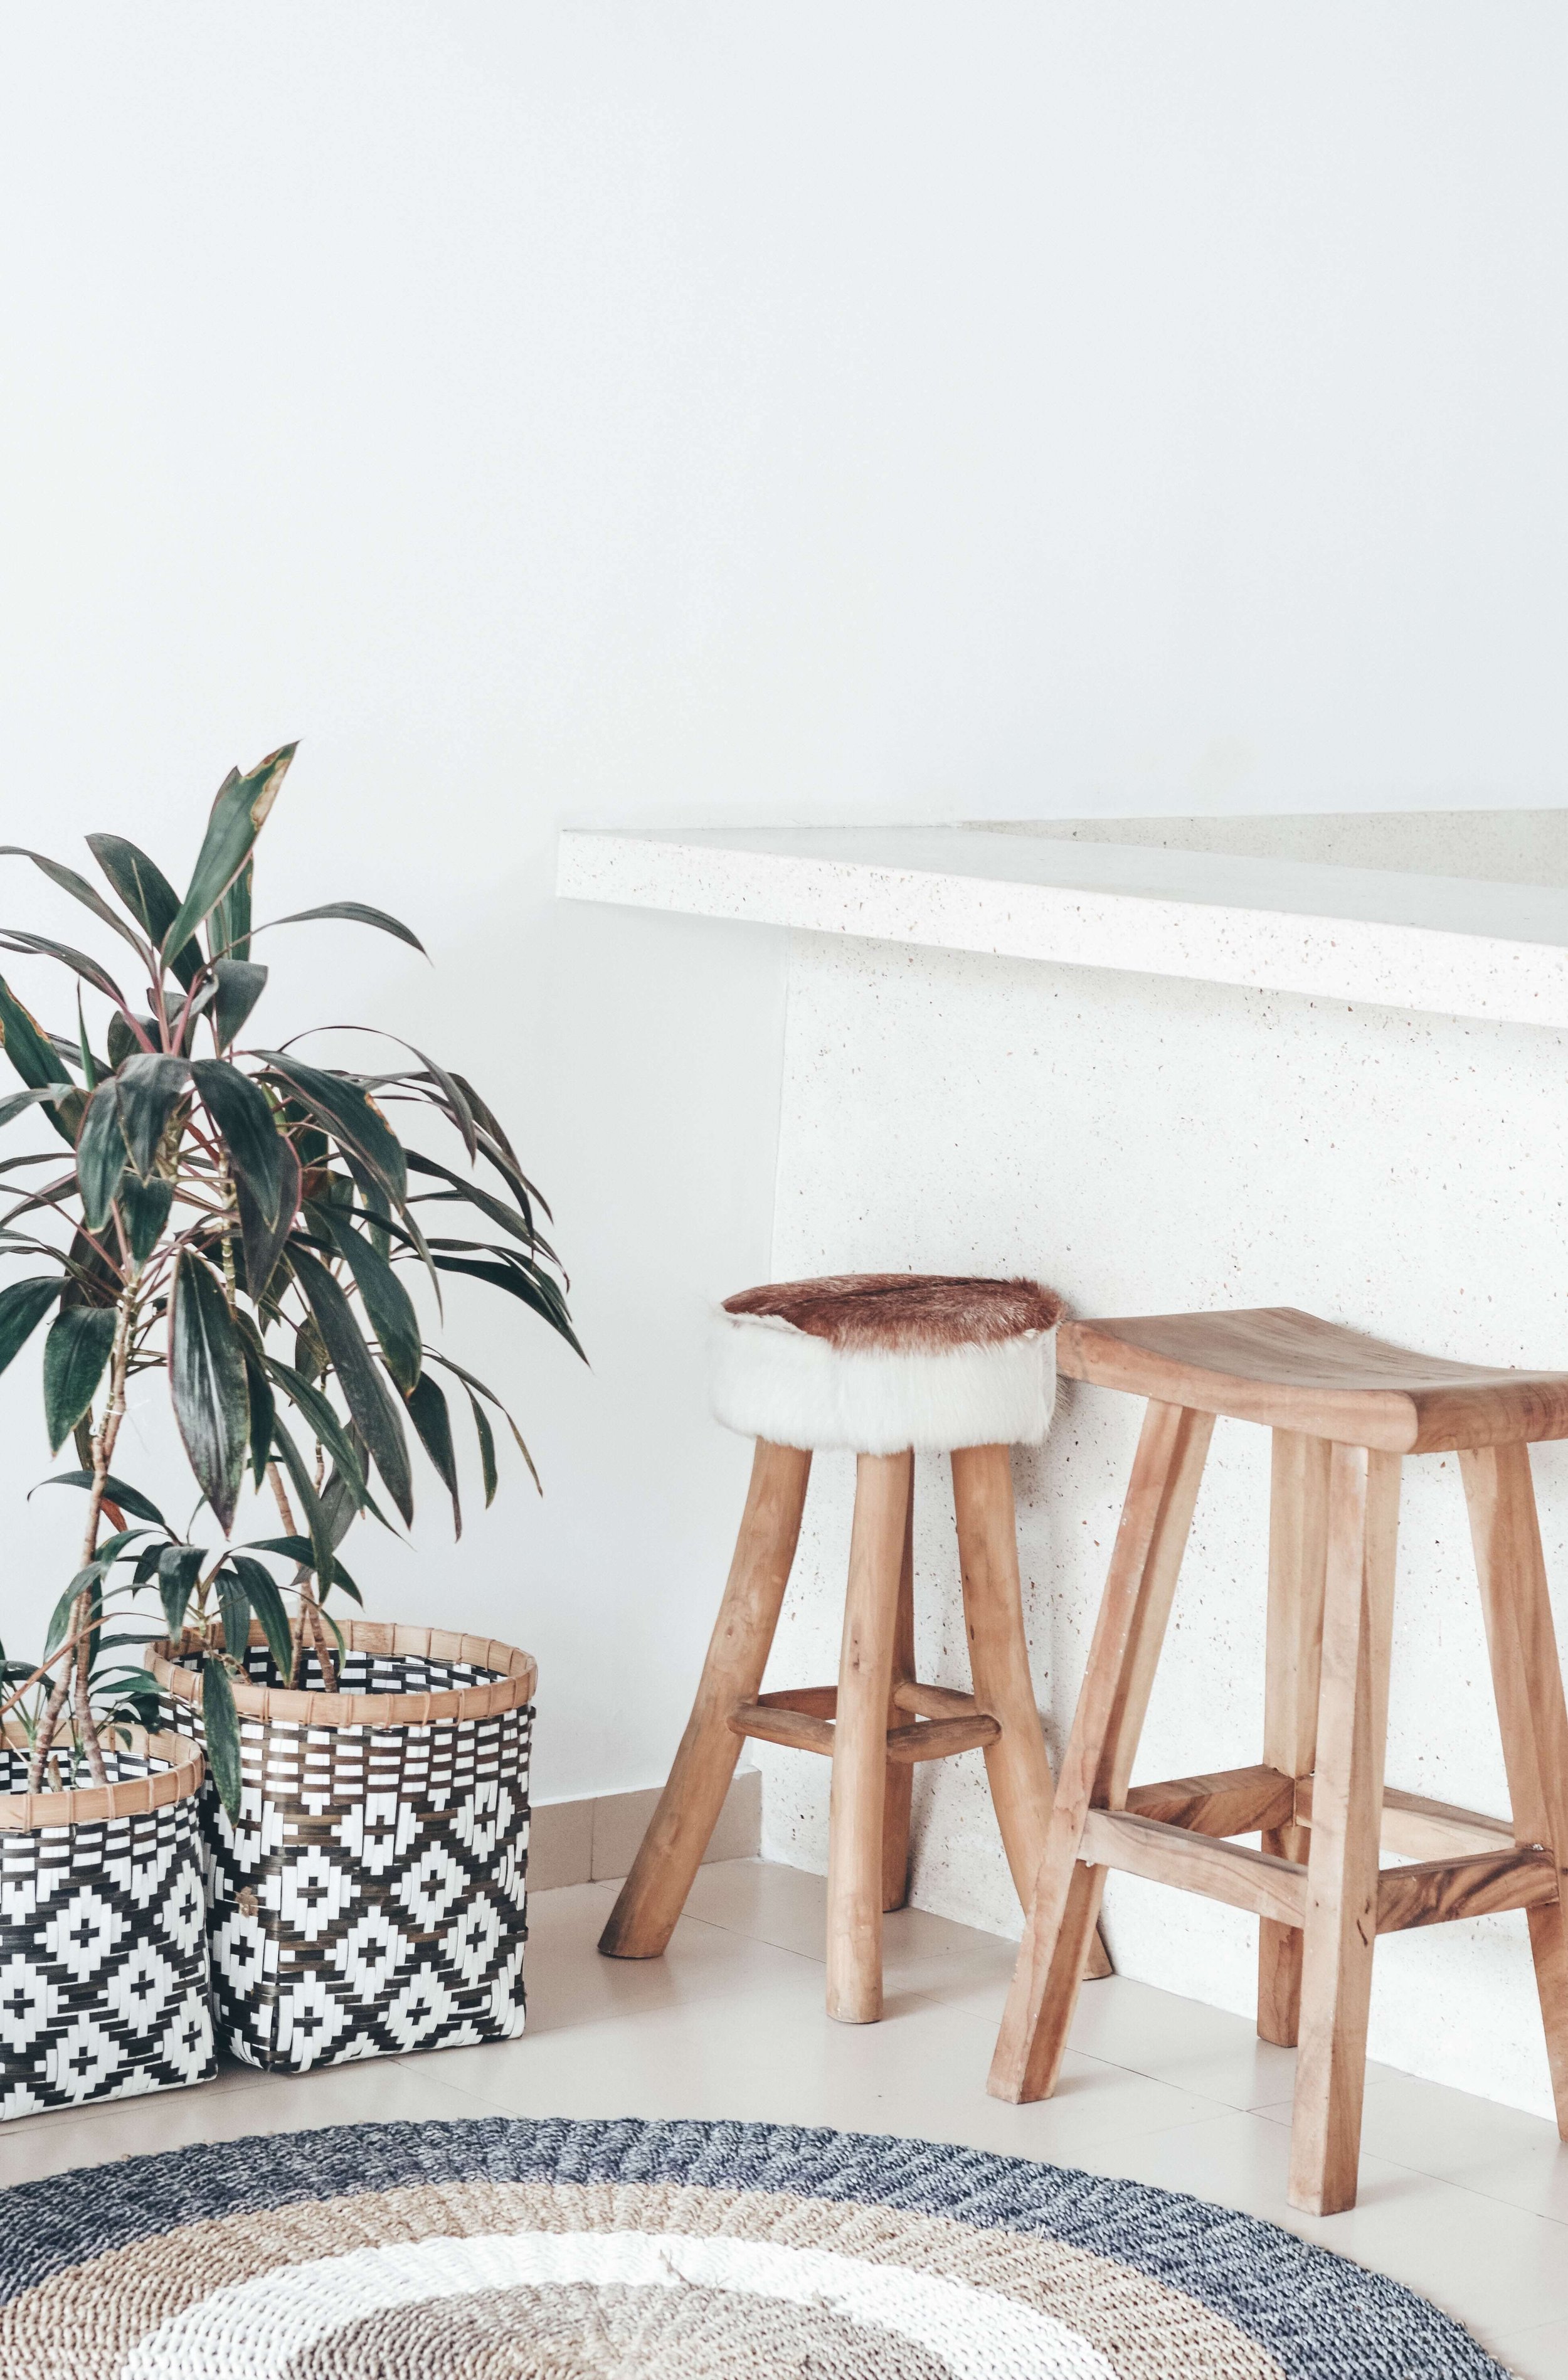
246, 1221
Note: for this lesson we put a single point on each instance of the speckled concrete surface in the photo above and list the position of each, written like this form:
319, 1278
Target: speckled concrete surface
1150, 1144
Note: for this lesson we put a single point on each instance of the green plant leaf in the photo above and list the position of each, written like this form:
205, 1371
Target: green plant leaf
264, 1242
347, 1114
246, 1120
16, 1104
320, 1557
77, 887
486, 1437
233, 1612
479, 1388
238, 814
118, 1491
366, 1394
44, 946
74, 1355
325, 1423
240, 986
144, 1209
300, 1550
100, 1156
259, 1396
179, 1567
229, 928
388, 1303
149, 1088
220, 1729
38, 1062
358, 914
123, 1043
24, 1305
207, 1384
519, 1225
266, 1602
534, 1288
147, 893
427, 1404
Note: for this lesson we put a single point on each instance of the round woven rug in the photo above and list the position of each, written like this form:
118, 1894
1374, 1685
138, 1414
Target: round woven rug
553, 2251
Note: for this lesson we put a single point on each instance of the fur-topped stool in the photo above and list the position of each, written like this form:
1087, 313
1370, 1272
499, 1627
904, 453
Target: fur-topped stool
884, 1365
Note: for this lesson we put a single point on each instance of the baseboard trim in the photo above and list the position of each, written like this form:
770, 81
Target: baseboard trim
595, 1839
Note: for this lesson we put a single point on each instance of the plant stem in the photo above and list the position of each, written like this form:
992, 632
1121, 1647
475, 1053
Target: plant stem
310, 1621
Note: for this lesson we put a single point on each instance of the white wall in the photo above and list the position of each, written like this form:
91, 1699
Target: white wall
686, 412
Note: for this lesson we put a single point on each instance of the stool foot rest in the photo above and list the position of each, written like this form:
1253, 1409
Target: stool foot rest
802, 1719
1415, 1827
1230, 1802
1230, 1872
1434, 1892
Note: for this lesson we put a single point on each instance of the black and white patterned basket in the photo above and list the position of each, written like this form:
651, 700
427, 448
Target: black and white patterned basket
102, 1933
371, 1899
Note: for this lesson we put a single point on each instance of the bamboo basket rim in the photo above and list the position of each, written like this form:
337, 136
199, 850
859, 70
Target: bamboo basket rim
127, 1797
514, 1686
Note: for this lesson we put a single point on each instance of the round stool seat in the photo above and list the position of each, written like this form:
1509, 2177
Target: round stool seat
875, 1363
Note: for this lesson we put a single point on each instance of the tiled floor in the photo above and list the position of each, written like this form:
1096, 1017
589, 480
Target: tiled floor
1465, 2201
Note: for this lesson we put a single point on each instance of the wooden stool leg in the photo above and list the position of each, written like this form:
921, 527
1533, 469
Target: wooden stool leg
1347, 1809
859, 1771
1527, 1679
654, 1893
1017, 1766
898, 1785
1109, 1720
1298, 1516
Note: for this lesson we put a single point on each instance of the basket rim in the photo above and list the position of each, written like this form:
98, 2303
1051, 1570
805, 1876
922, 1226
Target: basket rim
127, 1797
514, 1686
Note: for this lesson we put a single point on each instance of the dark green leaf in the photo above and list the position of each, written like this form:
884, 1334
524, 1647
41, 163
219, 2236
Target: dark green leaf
264, 1242
427, 1404
368, 1398
300, 1550
356, 913
240, 986
325, 1423
386, 1301
221, 1730
234, 1611
267, 1604
347, 1114
46, 946
244, 1117
100, 1156
179, 1567
519, 1225
238, 813
320, 1556
119, 1491
93, 1073
22, 1307
16, 1105
147, 893
74, 1355
207, 1383
77, 886
259, 1396
38, 1062
229, 931
123, 1043
479, 1388
144, 1209
150, 1089
486, 1437
534, 1288
86, 1582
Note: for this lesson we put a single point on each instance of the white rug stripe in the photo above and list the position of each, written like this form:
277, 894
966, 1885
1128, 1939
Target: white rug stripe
249, 2331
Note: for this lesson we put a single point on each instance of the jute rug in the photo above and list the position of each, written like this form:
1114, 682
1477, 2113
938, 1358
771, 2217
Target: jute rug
553, 2251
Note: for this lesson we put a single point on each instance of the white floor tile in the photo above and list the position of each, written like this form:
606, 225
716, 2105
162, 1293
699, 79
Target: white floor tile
1538, 2354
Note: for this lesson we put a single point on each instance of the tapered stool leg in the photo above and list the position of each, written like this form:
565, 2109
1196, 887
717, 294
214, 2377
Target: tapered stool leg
859, 1753
654, 1893
1528, 1681
1017, 1766
898, 1785
1065, 1906
1298, 1520
1347, 1807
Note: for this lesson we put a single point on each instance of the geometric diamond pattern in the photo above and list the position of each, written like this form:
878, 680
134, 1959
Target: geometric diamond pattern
372, 1898
102, 1954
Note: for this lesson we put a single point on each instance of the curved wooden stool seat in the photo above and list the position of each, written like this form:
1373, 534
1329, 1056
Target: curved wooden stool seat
1343, 1409
881, 1364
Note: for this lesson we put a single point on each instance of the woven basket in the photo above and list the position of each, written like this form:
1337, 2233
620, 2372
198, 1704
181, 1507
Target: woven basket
103, 1944
371, 1899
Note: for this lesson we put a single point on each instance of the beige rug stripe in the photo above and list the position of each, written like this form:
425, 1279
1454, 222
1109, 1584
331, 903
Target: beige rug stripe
95, 2311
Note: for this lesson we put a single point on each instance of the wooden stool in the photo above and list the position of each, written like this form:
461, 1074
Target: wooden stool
881, 1364
1343, 1409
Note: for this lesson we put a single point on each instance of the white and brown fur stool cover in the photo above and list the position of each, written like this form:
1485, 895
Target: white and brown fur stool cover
878, 1362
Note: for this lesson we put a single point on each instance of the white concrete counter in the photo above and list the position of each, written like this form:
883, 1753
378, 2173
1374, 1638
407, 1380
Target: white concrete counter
1453, 945
1165, 1080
